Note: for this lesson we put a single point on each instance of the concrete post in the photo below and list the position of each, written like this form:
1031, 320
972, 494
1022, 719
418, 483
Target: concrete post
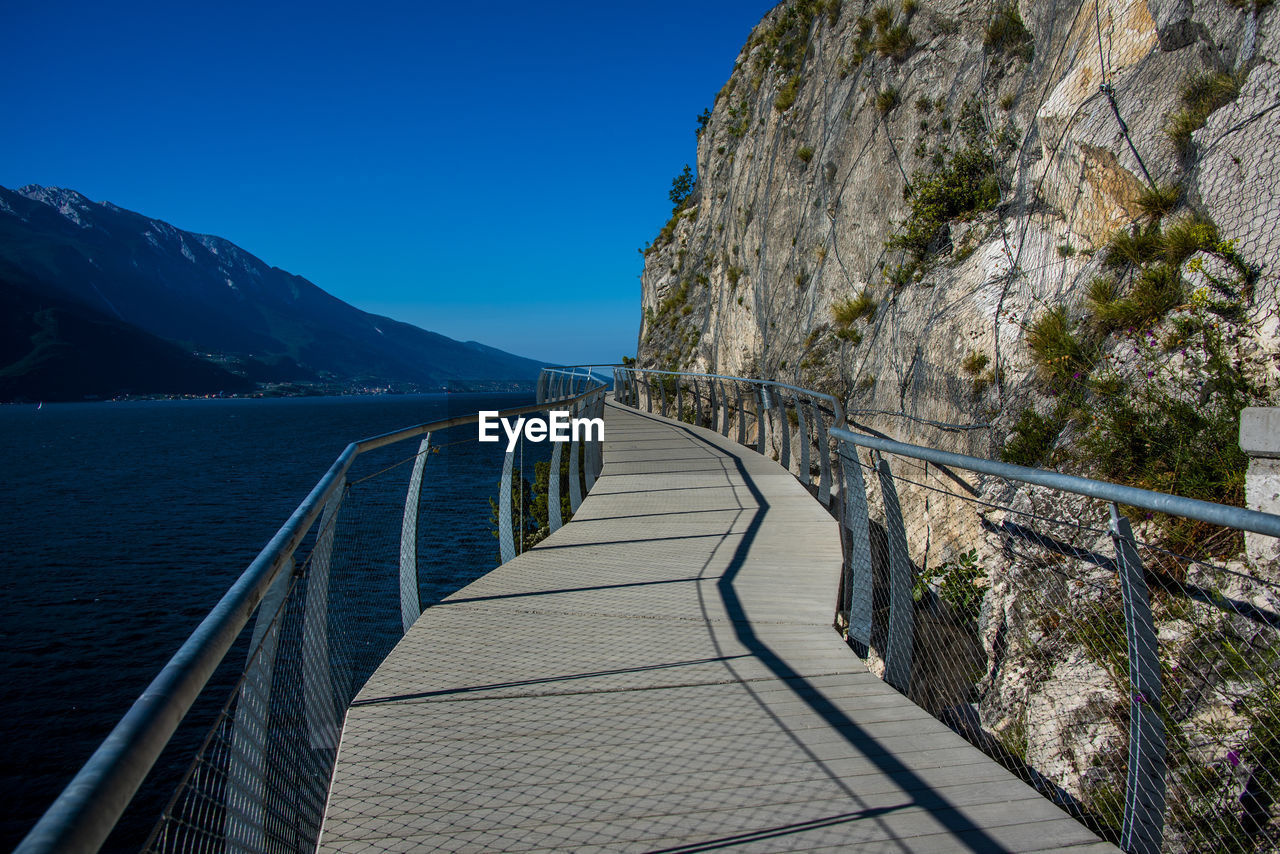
1260, 439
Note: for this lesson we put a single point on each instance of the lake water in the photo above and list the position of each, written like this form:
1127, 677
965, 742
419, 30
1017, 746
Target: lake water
124, 522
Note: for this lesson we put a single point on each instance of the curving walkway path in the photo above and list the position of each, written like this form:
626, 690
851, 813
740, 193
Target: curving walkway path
661, 675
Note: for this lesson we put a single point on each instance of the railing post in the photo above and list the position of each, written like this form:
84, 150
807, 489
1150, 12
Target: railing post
324, 710
859, 579
724, 410
575, 479
805, 477
824, 457
506, 536
648, 394
1260, 440
589, 448
897, 669
1144, 798
712, 404
742, 421
762, 397
784, 457
410, 605
697, 404
554, 520
680, 399
600, 442
597, 455
662, 388
246, 817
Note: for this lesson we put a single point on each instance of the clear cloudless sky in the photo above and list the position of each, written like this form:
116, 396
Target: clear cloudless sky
486, 170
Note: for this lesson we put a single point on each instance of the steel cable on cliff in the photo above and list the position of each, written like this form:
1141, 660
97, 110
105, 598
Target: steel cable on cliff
1015, 256
1107, 89
878, 325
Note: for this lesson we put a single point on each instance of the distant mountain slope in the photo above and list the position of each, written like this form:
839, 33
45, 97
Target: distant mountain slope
53, 349
207, 295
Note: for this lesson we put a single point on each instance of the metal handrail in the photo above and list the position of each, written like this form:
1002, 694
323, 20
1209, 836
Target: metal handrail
1132, 496
808, 392
91, 804
592, 365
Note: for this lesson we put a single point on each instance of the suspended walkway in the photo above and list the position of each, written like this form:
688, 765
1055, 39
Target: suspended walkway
662, 674
847, 647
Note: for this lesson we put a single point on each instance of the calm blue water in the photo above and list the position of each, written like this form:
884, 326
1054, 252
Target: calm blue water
123, 523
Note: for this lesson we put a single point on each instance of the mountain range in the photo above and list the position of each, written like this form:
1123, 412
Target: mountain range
100, 301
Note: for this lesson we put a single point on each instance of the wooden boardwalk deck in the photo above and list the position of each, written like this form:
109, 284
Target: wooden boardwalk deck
661, 675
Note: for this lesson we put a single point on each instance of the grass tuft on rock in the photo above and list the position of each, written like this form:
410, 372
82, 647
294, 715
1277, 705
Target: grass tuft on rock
1006, 34
1061, 353
1201, 96
1155, 202
850, 310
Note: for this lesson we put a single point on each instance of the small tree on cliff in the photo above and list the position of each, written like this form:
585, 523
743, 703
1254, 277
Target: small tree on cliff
681, 187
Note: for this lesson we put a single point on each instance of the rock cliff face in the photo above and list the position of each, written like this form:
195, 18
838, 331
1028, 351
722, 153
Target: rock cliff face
843, 123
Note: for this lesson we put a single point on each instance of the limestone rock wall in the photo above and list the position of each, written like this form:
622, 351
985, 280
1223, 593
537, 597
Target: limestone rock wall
794, 206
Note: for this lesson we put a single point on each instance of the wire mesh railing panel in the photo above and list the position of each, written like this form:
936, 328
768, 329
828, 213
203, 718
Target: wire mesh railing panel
260, 781
1124, 662
1221, 707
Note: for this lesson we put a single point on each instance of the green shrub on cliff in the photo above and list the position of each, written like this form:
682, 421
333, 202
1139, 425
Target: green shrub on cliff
964, 185
787, 94
1031, 438
785, 42
1159, 200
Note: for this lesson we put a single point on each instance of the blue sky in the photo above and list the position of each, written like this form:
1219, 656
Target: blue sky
486, 171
